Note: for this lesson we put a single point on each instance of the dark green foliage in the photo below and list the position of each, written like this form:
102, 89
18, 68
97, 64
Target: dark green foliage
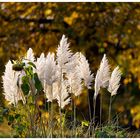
32, 64
25, 85
30, 77
17, 116
38, 84
29, 71
11, 118
110, 131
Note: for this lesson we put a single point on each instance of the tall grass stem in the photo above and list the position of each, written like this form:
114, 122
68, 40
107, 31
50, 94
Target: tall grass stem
90, 118
75, 117
51, 113
101, 104
109, 116
89, 108
94, 113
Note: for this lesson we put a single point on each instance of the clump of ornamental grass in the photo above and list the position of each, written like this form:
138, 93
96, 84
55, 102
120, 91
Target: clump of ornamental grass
58, 79
105, 79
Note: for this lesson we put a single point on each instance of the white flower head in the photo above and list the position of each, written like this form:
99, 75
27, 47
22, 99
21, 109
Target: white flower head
63, 99
50, 69
73, 63
85, 71
40, 67
73, 75
50, 76
114, 81
75, 83
63, 52
49, 92
10, 84
102, 76
30, 55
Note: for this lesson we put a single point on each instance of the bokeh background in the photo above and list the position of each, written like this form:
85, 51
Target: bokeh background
93, 29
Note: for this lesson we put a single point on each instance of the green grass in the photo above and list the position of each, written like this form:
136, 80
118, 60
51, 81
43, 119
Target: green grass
106, 131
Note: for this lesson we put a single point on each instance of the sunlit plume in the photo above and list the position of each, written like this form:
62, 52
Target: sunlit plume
40, 67
85, 71
10, 84
64, 98
30, 55
63, 54
102, 76
50, 75
114, 81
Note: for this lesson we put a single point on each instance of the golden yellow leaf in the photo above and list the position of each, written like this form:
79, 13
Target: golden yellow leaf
138, 26
48, 12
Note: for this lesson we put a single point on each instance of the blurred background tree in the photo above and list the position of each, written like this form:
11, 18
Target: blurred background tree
92, 28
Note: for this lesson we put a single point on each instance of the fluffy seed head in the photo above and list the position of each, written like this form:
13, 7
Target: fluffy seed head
114, 81
85, 71
102, 76
10, 79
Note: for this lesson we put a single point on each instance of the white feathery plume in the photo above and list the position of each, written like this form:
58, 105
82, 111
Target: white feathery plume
49, 92
40, 67
64, 98
84, 71
73, 77
75, 83
97, 85
50, 69
73, 62
50, 75
63, 53
114, 81
63, 57
56, 89
102, 76
10, 79
30, 55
